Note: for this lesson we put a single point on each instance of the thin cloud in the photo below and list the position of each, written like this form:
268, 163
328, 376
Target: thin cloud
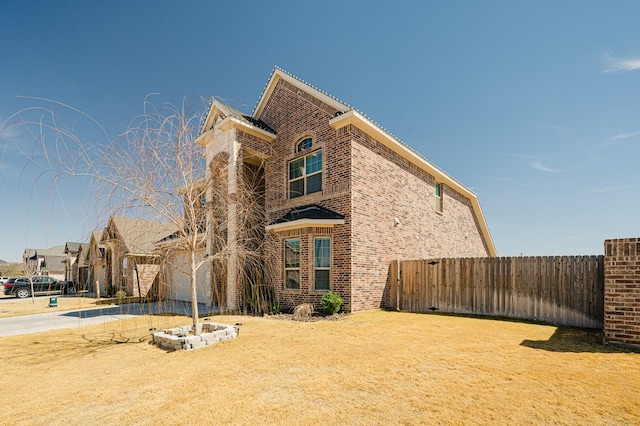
554, 127
537, 165
615, 65
624, 136
614, 188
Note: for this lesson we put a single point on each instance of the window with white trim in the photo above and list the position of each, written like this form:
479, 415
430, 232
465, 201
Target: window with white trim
321, 263
292, 264
305, 175
439, 197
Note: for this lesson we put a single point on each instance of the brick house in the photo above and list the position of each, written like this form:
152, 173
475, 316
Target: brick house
341, 198
131, 258
49, 262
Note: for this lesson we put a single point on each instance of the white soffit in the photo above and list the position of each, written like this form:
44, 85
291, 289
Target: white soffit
303, 223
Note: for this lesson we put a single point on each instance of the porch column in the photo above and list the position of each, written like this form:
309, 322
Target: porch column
232, 224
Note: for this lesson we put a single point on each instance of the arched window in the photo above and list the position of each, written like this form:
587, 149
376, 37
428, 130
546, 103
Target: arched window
304, 144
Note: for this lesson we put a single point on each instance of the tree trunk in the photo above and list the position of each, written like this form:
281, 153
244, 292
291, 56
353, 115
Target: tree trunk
194, 292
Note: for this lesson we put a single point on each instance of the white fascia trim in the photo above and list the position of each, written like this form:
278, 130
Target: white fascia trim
303, 223
205, 138
361, 122
279, 74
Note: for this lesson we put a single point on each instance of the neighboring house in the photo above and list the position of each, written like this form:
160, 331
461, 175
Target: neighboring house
71, 250
341, 197
132, 260
95, 263
49, 261
82, 267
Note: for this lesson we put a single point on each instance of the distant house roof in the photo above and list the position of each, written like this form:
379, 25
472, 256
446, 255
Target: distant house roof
300, 217
83, 250
31, 253
54, 263
70, 247
138, 235
95, 236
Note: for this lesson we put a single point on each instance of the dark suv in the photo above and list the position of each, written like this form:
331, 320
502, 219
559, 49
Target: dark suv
21, 287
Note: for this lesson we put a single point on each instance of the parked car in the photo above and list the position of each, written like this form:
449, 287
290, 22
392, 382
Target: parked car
21, 287
4, 279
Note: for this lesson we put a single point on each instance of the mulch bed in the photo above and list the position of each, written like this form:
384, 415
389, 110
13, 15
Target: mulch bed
312, 318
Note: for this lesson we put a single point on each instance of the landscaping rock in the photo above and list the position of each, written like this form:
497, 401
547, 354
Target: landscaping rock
178, 338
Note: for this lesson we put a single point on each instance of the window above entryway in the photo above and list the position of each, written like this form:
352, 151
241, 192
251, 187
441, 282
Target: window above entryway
305, 175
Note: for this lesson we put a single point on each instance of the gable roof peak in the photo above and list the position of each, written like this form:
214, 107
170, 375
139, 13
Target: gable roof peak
233, 114
279, 74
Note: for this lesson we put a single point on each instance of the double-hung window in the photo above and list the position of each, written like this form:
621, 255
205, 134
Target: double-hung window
321, 263
292, 264
439, 197
305, 175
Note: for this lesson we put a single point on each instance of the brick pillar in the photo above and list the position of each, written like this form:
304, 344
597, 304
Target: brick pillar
622, 291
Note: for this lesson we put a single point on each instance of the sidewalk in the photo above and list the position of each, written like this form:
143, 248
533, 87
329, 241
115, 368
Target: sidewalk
27, 324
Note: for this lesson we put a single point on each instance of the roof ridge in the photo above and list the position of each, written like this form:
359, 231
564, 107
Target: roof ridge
277, 68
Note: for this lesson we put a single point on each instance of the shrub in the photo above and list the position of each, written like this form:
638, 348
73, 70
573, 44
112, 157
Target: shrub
331, 303
276, 309
121, 294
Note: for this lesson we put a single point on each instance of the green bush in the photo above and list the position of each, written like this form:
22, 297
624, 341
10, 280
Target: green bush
121, 294
331, 303
276, 309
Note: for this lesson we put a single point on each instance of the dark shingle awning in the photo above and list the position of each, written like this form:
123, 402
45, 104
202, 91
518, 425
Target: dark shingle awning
301, 217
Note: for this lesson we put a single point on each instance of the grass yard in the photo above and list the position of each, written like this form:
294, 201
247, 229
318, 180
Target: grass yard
11, 306
369, 368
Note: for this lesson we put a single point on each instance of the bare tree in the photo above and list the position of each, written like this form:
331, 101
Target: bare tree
237, 222
154, 170
31, 266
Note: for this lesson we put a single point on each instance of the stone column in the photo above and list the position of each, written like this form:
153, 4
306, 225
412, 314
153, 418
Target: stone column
232, 223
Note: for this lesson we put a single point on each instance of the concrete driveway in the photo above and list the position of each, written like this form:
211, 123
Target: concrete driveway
35, 323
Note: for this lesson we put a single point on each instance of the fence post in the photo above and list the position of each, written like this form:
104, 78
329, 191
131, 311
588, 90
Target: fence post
398, 283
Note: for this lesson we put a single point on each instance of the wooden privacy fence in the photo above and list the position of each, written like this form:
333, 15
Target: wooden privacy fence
562, 290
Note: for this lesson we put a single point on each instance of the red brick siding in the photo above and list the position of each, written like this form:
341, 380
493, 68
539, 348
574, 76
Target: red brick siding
294, 114
622, 291
370, 185
384, 187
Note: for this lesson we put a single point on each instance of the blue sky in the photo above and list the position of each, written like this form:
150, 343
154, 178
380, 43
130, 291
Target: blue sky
534, 106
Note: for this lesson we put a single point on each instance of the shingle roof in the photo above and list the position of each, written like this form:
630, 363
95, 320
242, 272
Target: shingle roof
54, 251
71, 247
232, 112
141, 235
54, 263
312, 211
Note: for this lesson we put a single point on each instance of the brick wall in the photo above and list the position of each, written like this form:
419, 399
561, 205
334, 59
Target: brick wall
370, 185
386, 186
622, 291
294, 114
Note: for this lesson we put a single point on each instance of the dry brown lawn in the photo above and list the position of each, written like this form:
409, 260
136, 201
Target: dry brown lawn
369, 368
12, 306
